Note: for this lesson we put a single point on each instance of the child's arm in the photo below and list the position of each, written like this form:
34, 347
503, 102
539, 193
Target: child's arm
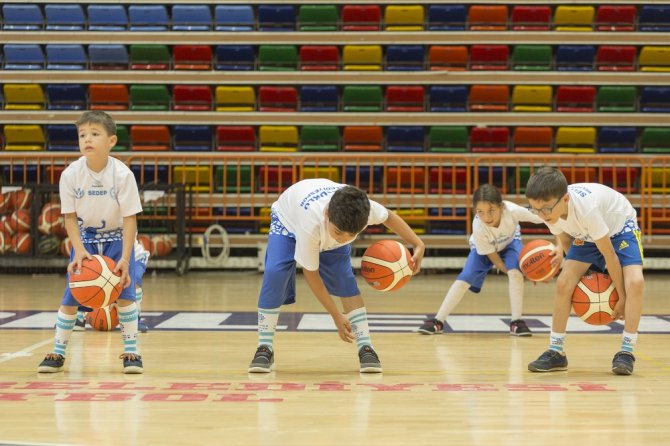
616, 273
400, 227
80, 253
494, 257
563, 242
129, 233
319, 289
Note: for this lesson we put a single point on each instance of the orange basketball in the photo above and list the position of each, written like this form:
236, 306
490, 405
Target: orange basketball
50, 220
535, 260
5, 203
95, 285
594, 298
161, 245
103, 319
21, 199
19, 221
387, 265
3, 243
145, 241
5, 226
22, 243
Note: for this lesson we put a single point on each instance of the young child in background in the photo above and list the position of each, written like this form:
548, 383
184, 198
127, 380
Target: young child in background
99, 202
313, 223
597, 228
495, 242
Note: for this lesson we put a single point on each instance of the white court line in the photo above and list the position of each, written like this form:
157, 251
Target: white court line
23, 443
23, 352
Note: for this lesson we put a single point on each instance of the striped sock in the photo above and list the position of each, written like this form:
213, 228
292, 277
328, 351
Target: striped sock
128, 320
358, 319
267, 325
81, 315
64, 327
628, 341
556, 341
138, 299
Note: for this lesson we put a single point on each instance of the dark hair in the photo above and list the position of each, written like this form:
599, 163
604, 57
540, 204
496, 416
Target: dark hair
488, 193
546, 183
97, 117
349, 209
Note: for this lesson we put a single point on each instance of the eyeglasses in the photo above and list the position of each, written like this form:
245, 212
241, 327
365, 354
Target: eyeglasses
547, 210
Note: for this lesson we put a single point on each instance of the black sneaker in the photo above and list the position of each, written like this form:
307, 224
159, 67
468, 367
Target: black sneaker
80, 325
52, 363
142, 326
431, 326
263, 361
623, 363
519, 328
132, 363
549, 361
369, 360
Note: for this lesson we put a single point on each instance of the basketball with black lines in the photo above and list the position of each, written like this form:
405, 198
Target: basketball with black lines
95, 285
103, 319
387, 265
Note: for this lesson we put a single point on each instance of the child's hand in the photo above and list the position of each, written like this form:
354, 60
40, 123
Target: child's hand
343, 328
122, 267
619, 311
79, 256
557, 257
417, 257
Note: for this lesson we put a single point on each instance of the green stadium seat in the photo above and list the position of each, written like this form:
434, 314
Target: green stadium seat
278, 58
362, 98
318, 18
616, 98
149, 98
531, 58
448, 139
319, 138
149, 57
655, 140
235, 179
122, 139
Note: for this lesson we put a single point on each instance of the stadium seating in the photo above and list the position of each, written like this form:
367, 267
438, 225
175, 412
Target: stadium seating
192, 138
191, 18
148, 18
574, 57
654, 18
531, 58
448, 98
531, 18
405, 58
276, 17
617, 140
448, 139
235, 138
64, 17
405, 99
149, 57
574, 18
319, 58
66, 97
108, 97
277, 99
575, 99
359, 98
404, 18
361, 18
654, 58
191, 98
234, 58
22, 17
575, 140
655, 140
533, 140
363, 138
450, 58
107, 17
277, 58
319, 138
318, 18
62, 138
235, 99
616, 58
108, 57
532, 98
487, 17
278, 138
652, 99
489, 98
24, 137
614, 98
447, 17
362, 57
150, 138
489, 139
24, 97
405, 138
319, 98
66, 57
192, 57
615, 18
23, 57
234, 18
149, 98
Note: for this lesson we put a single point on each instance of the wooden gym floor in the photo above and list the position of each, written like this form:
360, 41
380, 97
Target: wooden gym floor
466, 387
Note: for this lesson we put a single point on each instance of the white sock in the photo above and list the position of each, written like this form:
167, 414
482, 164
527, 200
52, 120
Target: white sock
515, 287
128, 320
138, 300
64, 327
267, 326
358, 319
456, 292
628, 341
556, 341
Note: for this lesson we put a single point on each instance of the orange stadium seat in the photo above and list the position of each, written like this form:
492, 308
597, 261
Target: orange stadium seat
532, 139
406, 179
487, 17
451, 58
149, 138
108, 97
363, 138
489, 98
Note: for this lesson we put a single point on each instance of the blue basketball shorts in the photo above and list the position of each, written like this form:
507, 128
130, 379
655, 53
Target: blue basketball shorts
280, 269
140, 269
112, 250
477, 266
627, 245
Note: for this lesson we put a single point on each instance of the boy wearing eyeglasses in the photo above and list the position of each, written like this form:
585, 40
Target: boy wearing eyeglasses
597, 229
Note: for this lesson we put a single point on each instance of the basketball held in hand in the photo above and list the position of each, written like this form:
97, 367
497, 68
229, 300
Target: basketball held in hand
387, 265
535, 261
95, 285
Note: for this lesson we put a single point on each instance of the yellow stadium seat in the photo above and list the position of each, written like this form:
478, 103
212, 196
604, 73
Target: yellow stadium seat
532, 98
576, 140
403, 18
362, 58
660, 179
242, 99
654, 58
574, 18
278, 138
415, 219
24, 97
331, 173
198, 177
265, 220
24, 137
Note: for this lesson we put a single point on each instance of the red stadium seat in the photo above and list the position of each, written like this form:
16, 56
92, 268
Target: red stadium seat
405, 98
489, 57
235, 138
615, 18
533, 139
277, 99
361, 18
616, 58
489, 139
192, 57
531, 18
575, 99
319, 58
192, 98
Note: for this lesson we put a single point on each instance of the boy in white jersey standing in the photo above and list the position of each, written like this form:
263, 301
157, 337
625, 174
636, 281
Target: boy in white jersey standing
597, 227
99, 202
313, 223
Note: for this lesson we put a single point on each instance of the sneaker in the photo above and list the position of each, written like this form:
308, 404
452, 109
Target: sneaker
52, 363
519, 328
142, 326
369, 360
132, 363
549, 361
263, 361
80, 325
431, 326
622, 364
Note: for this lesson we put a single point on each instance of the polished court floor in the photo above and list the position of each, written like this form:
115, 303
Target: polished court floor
469, 386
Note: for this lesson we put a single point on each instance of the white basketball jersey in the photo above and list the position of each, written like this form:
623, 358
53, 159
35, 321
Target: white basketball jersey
301, 209
487, 239
100, 199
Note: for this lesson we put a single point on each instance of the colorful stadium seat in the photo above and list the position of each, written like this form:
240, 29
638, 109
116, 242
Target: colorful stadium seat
149, 57
489, 139
24, 97
150, 138
66, 57
62, 138
447, 17
616, 58
107, 17
192, 57
405, 58
149, 98
531, 58
276, 17
363, 138
575, 99
617, 140
235, 99
532, 98
234, 18
192, 98
148, 18
489, 57
23, 57
615, 98
278, 138
108, 97
319, 138
108, 57
361, 18
655, 140
319, 58
489, 98
448, 98
654, 59
405, 98
575, 57
654, 18
450, 58
448, 139
319, 98
405, 138
655, 100
277, 58
533, 140
531, 18
362, 57
234, 58
277, 99
487, 17
235, 138
192, 138
66, 97
403, 18
191, 18
574, 18
22, 17
318, 18
576, 140
197, 178
616, 18
24, 137
362, 98
64, 17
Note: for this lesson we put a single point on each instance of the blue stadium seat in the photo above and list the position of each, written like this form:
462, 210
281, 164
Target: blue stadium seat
364, 177
191, 18
276, 17
319, 98
405, 138
235, 58
448, 98
66, 97
617, 140
575, 57
22, 17
62, 138
66, 57
64, 17
107, 18
405, 58
108, 57
23, 57
655, 100
447, 17
234, 18
192, 138
654, 18
19, 174
447, 227
150, 173
148, 18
